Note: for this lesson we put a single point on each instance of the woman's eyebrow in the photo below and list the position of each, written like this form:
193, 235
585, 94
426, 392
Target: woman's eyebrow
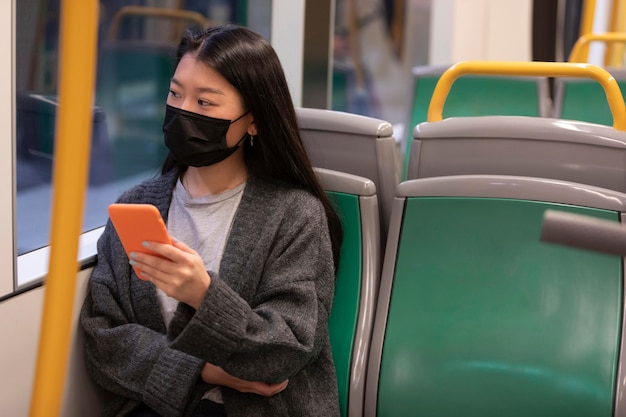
199, 89
210, 90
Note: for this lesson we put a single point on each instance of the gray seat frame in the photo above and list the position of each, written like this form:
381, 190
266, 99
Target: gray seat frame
371, 260
567, 150
354, 144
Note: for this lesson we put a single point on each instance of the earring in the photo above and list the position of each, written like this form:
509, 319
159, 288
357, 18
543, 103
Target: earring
251, 141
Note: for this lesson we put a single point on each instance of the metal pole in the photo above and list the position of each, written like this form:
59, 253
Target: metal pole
78, 38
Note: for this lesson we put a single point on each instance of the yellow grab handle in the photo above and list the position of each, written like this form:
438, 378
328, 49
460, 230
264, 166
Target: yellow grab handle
78, 39
579, 49
156, 12
545, 69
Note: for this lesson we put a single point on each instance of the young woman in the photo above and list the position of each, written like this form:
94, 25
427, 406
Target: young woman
231, 319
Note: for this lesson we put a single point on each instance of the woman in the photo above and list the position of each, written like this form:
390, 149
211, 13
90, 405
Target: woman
231, 319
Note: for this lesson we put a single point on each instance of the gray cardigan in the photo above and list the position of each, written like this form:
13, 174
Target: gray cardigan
264, 316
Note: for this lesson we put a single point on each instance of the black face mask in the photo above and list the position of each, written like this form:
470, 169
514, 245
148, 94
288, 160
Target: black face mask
197, 140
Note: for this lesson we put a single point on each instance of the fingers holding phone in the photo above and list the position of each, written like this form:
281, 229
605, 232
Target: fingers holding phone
176, 269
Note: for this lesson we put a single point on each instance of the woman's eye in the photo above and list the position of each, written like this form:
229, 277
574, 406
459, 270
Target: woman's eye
174, 94
204, 102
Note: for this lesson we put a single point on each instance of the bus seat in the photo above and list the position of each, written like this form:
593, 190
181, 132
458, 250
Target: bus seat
132, 86
35, 136
516, 145
474, 95
477, 317
343, 79
354, 144
358, 277
584, 99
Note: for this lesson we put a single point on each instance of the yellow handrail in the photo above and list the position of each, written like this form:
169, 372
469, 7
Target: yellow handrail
580, 47
78, 39
546, 69
615, 51
155, 12
586, 23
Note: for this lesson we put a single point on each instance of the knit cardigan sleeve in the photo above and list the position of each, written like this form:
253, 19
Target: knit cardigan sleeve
265, 315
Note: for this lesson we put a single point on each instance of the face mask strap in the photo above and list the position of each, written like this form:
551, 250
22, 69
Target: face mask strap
242, 138
239, 118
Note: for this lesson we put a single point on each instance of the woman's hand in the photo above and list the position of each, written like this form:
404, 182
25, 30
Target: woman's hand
178, 271
215, 375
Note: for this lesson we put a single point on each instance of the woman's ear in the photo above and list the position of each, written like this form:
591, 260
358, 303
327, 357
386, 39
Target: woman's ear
251, 128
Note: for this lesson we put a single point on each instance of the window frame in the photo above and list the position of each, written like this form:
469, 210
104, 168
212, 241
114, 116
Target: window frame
7, 168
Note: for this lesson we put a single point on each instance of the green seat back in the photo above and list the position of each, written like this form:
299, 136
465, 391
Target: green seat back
343, 319
132, 86
474, 96
585, 100
486, 320
135, 82
340, 89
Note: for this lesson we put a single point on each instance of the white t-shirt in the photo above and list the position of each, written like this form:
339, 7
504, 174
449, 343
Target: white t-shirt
203, 224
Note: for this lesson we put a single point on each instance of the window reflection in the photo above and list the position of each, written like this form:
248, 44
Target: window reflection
135, 58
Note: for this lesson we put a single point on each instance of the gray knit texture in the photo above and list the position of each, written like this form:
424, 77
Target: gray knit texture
264, 317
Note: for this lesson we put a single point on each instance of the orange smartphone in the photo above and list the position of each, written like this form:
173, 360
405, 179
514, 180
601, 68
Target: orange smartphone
136, 223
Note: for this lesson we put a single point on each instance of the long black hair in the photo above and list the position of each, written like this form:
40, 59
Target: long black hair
250, 64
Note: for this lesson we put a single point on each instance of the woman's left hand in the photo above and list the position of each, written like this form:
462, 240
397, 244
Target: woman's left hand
212, 374
178, 271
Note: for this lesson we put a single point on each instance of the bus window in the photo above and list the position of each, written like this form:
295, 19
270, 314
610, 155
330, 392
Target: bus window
135, 61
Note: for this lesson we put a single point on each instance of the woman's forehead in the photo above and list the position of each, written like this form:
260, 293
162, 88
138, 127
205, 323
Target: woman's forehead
192, 72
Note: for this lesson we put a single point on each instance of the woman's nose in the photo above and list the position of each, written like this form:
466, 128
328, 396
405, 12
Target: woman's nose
187, 105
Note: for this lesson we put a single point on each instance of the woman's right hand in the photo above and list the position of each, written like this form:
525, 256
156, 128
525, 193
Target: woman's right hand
179, 271
215, 375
